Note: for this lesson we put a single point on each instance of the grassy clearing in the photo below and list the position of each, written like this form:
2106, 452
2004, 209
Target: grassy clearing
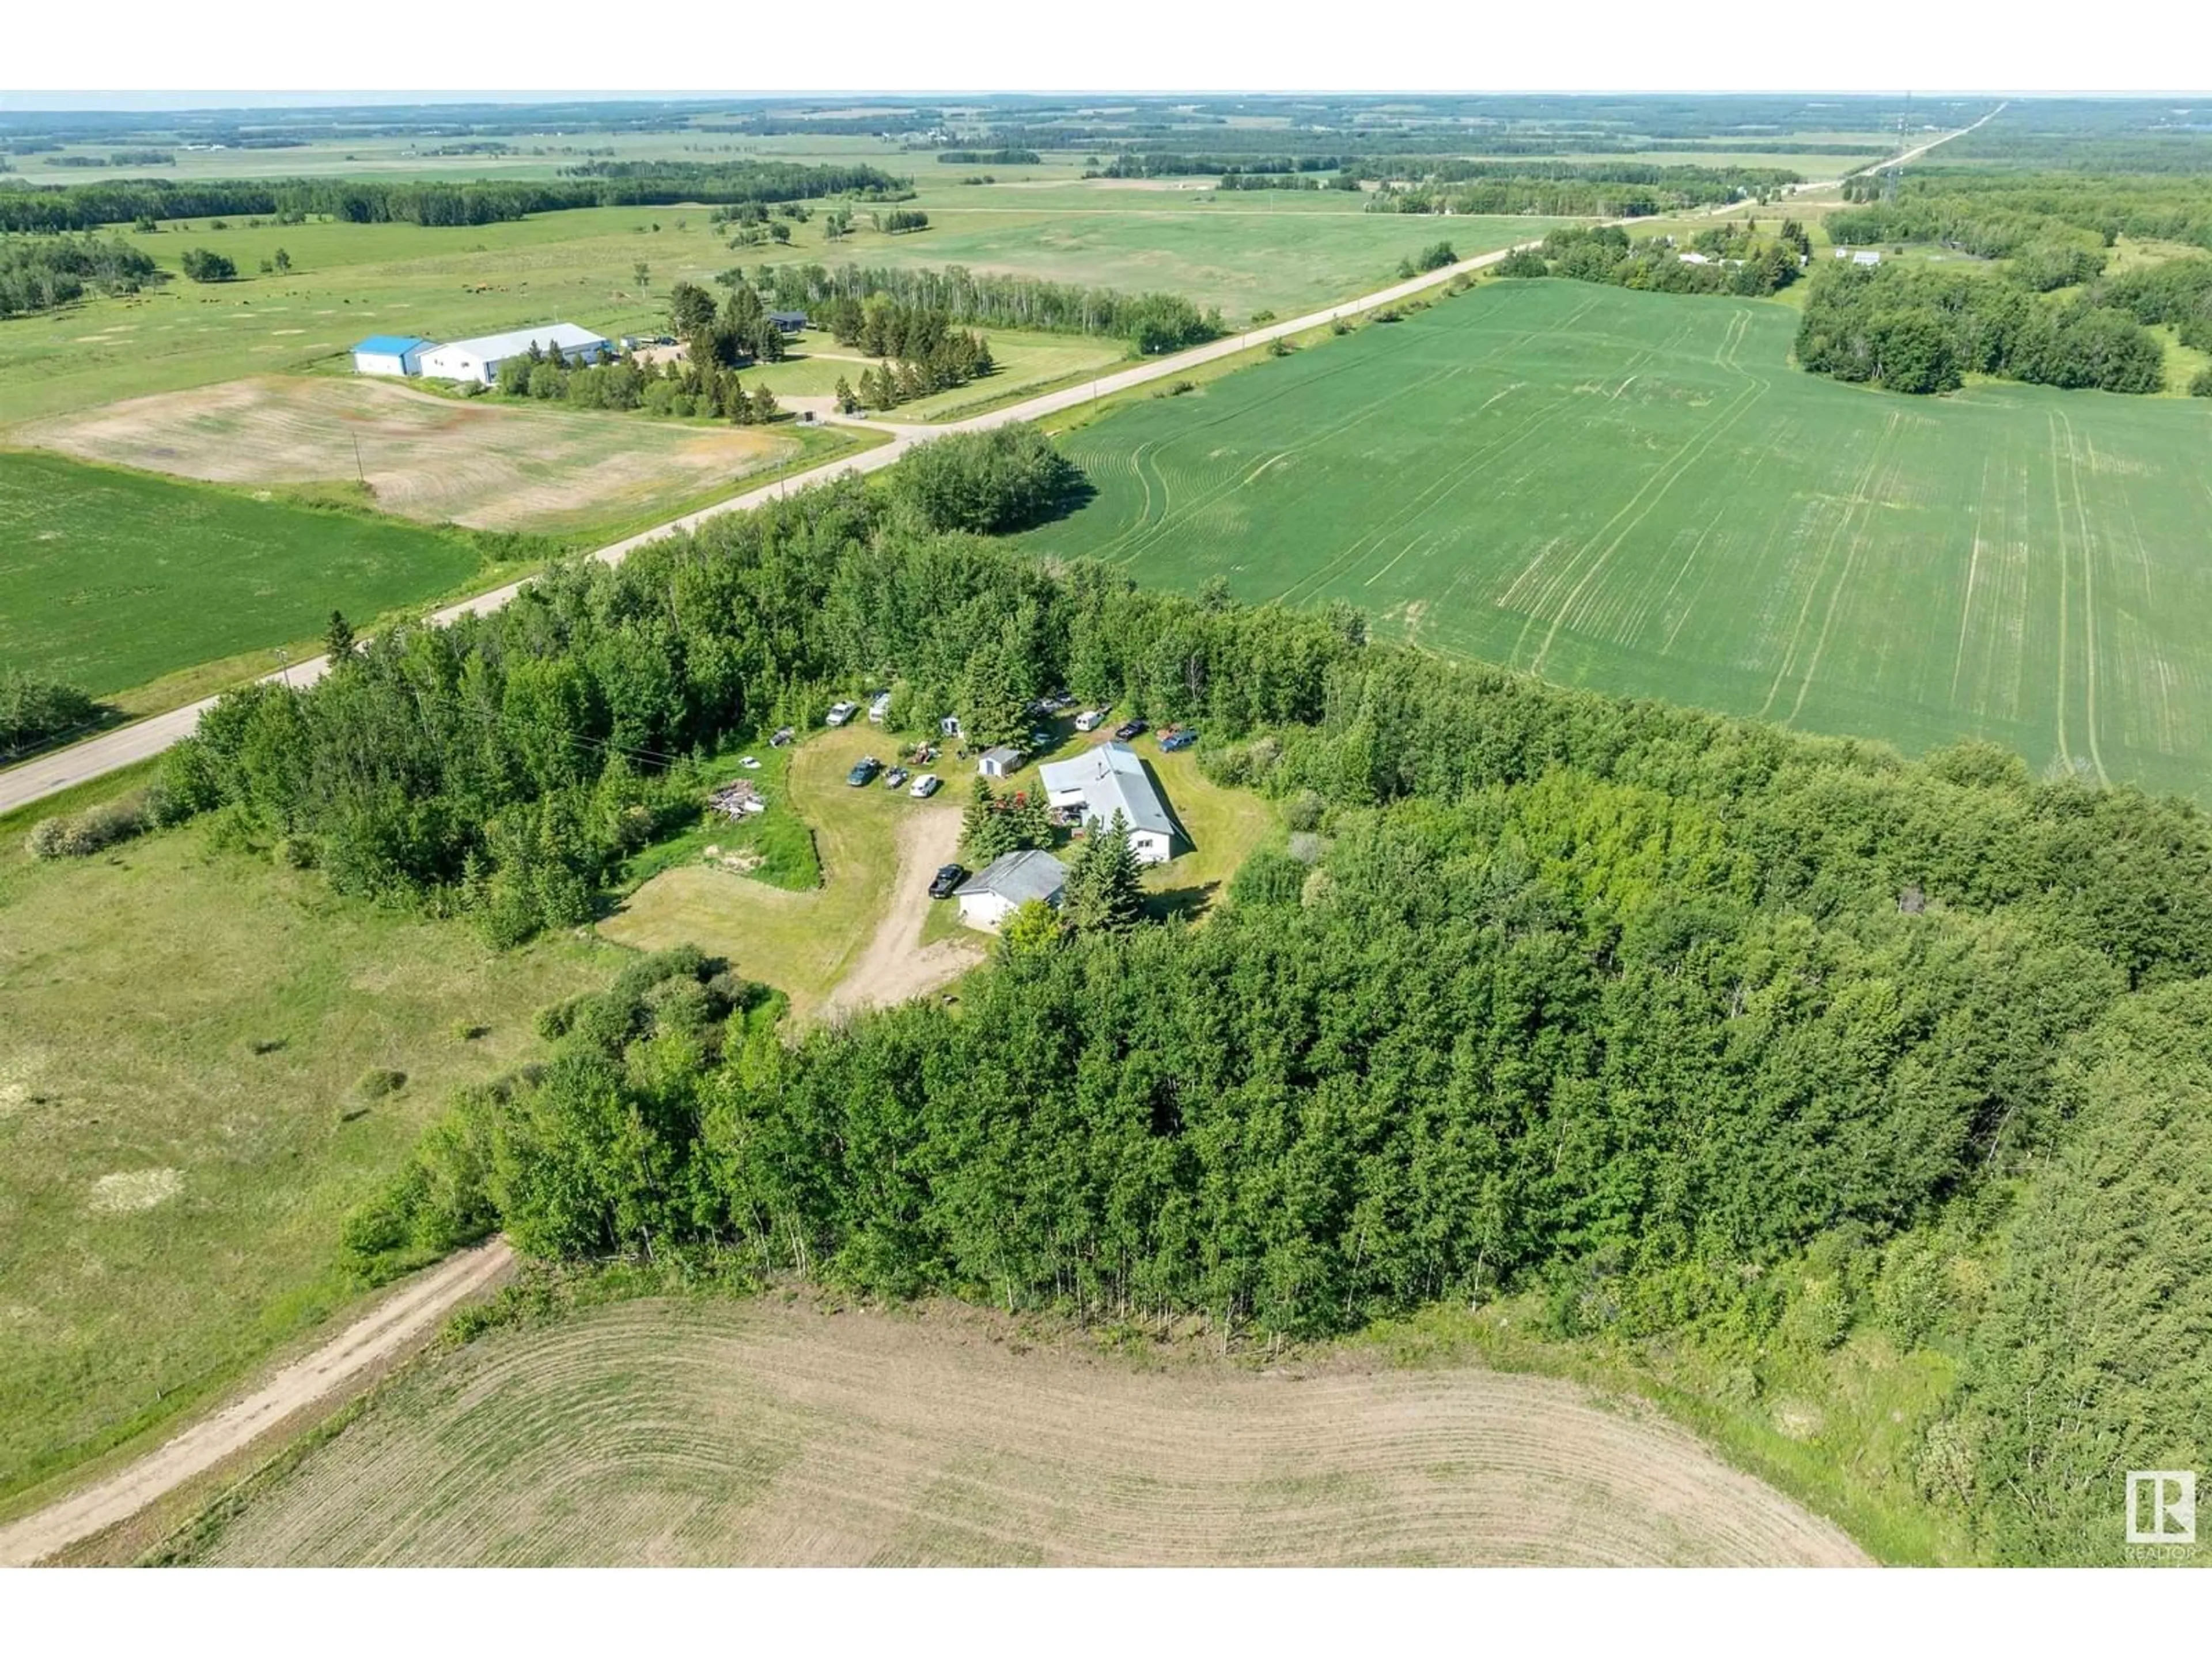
1637, 493
771, 1431
110, 579
777, 847
186, 1038
803, 943
1221, 827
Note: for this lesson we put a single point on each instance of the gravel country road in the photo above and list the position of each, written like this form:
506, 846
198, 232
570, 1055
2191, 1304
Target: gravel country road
385, 1332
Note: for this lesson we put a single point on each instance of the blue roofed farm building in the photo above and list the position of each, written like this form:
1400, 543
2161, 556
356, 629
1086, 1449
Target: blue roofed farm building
390, 354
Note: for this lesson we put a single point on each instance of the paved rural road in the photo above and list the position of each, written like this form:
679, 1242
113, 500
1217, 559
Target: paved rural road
48, 775
384, 1332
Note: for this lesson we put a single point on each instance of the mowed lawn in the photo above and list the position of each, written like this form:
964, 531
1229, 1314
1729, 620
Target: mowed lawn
183, 1035
110, 579
1637, 493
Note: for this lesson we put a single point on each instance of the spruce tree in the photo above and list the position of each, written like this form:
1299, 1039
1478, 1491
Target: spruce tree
338, 639
1104, 893
986, 832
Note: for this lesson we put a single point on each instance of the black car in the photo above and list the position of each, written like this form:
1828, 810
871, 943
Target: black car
946, 879
1128, 729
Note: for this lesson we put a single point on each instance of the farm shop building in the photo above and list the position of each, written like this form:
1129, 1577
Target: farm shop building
479, 360
389, 354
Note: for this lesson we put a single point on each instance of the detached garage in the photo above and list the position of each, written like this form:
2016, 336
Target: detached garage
390, 354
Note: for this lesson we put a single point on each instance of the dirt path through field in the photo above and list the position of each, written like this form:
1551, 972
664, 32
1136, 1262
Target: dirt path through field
774, 1432
384, 1332
896, 965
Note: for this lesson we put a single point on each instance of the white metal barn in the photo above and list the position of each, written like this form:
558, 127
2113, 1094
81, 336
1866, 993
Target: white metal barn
479, 360
1110, 778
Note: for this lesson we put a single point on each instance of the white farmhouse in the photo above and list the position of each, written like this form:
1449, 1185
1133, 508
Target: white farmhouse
1003, 886
1109, 779
479, 360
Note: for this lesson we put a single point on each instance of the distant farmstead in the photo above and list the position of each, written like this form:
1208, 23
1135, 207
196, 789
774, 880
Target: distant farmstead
390, 354
478, 359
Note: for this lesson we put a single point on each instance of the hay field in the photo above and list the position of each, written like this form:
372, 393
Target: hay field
488, 464
182, 1034
1637, 493
771, 1433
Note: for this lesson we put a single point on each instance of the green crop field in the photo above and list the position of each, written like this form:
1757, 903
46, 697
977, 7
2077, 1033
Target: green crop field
110, 579
1637, 492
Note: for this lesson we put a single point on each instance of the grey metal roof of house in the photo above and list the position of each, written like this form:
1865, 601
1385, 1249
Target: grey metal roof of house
1112, 777
1018, 877
1003, 754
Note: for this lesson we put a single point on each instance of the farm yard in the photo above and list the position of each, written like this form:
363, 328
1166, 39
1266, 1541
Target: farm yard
488, 464
114, 579
877, 848
204, 1062
1637, 493
774, 1433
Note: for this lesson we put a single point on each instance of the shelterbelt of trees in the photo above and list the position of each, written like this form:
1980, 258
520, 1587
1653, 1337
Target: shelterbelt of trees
1997, 214
370, 201
1610, 190
1922, 330
1735, 259
1693, 1026
1153, 323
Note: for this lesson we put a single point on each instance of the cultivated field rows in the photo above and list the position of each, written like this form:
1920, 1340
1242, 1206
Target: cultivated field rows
1638, 492
772, 1433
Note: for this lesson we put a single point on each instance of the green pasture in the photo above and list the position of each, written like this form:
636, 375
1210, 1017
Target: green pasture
1280, 252
1637, 492
184, 1037
110, 579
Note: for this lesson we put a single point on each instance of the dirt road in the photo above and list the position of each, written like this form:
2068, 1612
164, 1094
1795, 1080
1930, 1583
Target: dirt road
384, 1332
895, 964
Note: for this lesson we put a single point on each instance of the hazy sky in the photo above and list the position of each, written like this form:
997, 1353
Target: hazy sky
449, 46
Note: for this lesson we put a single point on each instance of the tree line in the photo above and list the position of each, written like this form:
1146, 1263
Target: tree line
1917, 330
1684, 1024
1602, 190
1732, 257
41, 273
1152, 322
371, 201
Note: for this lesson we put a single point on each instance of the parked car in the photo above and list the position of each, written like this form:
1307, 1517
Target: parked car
864, 771
895, 776
925, 785
1040, 740
1089, 720
1128, 729
878, 706
841, 712
750, 762
945, 880
784, 734
1181, 739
